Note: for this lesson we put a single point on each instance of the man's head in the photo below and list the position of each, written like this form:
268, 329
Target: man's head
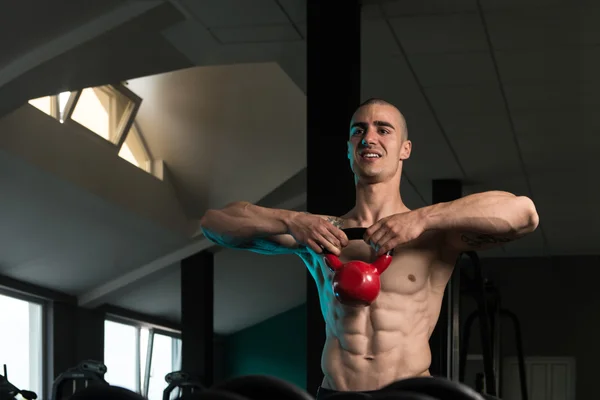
378, 142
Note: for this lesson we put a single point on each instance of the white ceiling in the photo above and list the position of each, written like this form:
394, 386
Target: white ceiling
499, 97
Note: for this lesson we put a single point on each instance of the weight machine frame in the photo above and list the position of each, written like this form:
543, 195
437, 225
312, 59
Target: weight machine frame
489, 314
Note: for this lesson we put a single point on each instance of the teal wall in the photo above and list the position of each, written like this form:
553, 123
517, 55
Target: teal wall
275, 347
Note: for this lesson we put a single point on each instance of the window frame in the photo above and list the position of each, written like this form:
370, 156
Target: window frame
152, 329
44, 330
129, 117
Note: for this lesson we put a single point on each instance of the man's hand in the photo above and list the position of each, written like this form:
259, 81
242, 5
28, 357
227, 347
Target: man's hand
317, 233
393, 231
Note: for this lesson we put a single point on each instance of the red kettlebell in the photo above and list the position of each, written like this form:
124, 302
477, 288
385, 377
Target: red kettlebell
357, 283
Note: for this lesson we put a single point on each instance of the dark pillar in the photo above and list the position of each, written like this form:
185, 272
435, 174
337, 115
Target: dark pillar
445, 337
333, 93
197, 316
62, 335
74, 334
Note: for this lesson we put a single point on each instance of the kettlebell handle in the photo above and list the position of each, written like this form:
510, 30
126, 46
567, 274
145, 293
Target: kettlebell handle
356, 234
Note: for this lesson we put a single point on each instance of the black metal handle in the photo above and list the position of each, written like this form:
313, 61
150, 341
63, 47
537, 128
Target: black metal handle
355, 233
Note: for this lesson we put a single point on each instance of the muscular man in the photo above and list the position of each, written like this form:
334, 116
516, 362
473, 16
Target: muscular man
370, 347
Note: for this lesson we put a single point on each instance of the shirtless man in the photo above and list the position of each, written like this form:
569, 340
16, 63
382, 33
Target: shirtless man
370, 347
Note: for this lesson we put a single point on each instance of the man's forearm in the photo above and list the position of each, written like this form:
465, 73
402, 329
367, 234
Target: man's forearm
491, 213
242, 221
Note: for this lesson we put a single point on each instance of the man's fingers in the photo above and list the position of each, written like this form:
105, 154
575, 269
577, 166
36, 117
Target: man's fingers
386, 243
376, 239
340, 236
314, 246
370, 231
390, 245
330, 247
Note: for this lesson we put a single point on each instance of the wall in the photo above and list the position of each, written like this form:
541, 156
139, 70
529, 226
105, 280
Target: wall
555, 300
274, 347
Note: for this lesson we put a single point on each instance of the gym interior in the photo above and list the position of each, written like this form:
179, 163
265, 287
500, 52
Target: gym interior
122, 122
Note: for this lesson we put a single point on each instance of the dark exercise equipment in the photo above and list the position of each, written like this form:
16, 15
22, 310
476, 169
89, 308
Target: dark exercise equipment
105, 392
489, 314
262, 387
259, 387
87, 373
182, 381
437, 388
357, 283
8, 391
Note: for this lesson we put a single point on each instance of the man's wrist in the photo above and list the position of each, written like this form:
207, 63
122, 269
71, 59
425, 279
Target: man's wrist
432, 217
285, 218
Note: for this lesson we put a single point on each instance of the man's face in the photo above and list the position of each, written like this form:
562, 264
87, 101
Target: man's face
377, 144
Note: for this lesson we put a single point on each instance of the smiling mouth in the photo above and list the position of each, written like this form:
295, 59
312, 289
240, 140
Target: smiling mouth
370, 156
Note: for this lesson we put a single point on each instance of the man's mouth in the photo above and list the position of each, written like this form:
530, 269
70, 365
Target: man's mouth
370, 155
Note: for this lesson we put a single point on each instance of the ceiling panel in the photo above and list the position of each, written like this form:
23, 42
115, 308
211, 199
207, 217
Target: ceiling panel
454, 69
410, 195
550, 144
236, 13
565, 64
553, 27
532, 4
553, 97
454, 99
295, 9
34, 23
69, 239
253, 34
440, 33
484, 145
371, 11
431, 158
395, 8
377, 43
159, 295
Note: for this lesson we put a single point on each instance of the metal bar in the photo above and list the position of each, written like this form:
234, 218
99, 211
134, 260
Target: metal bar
454, 331
464, 348
520, 352
148, 362
484, 326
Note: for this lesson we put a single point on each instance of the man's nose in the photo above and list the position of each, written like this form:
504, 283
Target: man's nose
369, 138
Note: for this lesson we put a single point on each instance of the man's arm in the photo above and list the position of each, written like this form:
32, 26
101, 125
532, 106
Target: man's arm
242, 225
482, 221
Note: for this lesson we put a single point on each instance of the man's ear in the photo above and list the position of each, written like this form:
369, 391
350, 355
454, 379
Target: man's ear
405, 150
349, 152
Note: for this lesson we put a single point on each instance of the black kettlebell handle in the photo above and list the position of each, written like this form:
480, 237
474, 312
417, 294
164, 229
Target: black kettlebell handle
356, 234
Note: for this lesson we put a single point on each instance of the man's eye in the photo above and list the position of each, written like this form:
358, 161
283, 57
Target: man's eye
383, 131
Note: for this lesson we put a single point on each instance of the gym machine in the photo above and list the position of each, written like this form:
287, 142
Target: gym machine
8, 391
489, 315
86, 373
183, 383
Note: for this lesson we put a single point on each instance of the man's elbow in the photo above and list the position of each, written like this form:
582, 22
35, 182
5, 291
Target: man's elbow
207, 218
529, 217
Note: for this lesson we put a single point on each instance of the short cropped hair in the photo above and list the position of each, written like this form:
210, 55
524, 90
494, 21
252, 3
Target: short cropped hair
381, 102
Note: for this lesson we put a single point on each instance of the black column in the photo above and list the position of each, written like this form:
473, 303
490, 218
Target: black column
333, 93
444, 339
74, 334
197, 283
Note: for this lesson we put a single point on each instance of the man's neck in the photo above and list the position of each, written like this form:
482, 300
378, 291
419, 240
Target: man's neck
375, 201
